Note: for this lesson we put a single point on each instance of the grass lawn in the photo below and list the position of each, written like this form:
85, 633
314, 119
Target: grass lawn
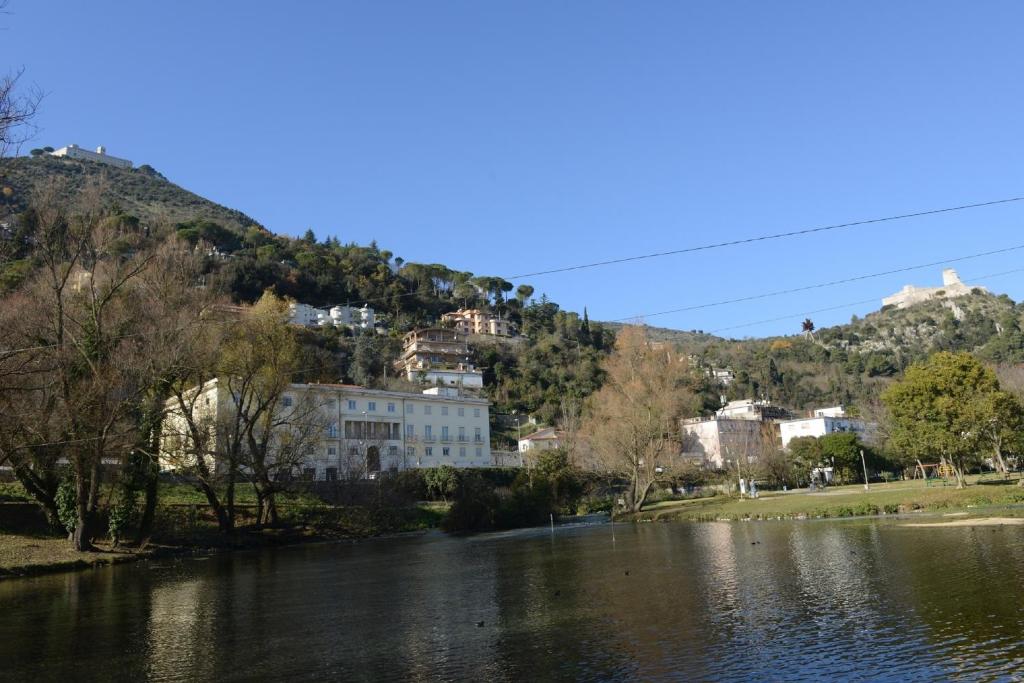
843, 501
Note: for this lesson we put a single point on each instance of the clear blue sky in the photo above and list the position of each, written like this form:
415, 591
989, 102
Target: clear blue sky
504, 138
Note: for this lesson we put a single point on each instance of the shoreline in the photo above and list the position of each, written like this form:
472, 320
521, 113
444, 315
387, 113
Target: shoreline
882, 500
108, 557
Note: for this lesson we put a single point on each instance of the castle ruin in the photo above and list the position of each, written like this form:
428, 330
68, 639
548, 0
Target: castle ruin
951, 287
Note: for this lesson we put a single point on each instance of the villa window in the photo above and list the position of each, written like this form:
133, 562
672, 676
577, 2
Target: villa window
351, 405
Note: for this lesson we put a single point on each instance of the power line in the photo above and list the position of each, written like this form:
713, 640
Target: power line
819, 285
720, 245
977, 278
764, 238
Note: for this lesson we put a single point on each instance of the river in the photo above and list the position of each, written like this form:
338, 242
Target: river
728, 601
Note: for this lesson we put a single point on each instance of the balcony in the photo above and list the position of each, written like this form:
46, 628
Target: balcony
478, 439
429, 439
462, 438
445, 438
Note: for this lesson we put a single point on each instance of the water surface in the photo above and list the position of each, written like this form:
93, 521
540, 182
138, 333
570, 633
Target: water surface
728, 601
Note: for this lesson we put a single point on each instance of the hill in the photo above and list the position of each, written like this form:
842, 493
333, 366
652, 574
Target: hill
141, 192
562, 352
851, 363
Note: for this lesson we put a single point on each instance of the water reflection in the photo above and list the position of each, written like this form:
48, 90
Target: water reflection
717, 601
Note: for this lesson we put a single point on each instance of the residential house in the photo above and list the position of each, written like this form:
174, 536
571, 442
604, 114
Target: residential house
474, 321
438, 356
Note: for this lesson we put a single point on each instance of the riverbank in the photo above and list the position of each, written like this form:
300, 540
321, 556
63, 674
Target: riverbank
898, 497
29, 548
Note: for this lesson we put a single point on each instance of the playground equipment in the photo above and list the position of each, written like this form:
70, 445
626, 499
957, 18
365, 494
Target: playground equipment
935, 470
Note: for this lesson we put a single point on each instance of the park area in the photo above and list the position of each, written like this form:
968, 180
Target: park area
982, 494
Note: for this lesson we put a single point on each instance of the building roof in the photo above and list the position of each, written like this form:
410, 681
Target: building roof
546, 434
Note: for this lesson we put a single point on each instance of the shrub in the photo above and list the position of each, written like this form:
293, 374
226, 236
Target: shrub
66, 500
122, 514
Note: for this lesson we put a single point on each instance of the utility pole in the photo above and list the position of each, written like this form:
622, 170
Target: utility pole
864, 464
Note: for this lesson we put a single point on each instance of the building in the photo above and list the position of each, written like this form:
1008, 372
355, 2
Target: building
750, 409
722, 442
100, 155
546, 439
305, 315
438, 356
358, 431
739, 432
951, 287
825, 421
474, 321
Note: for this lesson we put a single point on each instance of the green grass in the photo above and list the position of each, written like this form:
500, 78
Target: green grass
843, 501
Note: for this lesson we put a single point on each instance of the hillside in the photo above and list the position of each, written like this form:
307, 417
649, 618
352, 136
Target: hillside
850, 363
561, 352
141, 192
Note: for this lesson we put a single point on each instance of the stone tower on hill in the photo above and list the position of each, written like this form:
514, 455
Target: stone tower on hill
910, 295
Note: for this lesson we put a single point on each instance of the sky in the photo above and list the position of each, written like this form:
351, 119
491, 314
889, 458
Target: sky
510, 138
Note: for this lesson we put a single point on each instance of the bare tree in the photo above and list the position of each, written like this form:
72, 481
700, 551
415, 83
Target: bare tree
18, 109
633, 421
89, 358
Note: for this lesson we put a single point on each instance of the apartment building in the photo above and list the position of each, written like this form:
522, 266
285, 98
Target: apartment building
438, 356
358, 432
474, 321
305, 315
826, 421
739, 432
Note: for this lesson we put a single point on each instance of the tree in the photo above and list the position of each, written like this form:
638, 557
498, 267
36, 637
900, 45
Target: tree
633, 420
932, 410
842, 450
17, 111
278, 430
442, 481
84, 323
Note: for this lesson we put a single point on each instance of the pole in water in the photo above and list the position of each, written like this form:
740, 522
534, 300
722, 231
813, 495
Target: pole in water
552, 515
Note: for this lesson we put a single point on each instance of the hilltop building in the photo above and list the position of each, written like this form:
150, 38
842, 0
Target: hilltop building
337, 316
100, 155
475, 321
362, 431
438, 356
825, 421
951, 287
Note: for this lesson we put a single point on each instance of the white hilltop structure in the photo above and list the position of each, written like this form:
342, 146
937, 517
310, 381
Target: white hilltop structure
951, 287
100, 155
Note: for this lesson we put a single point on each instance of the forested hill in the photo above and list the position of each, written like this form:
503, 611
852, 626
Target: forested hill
141, 192
850, 363
560, 354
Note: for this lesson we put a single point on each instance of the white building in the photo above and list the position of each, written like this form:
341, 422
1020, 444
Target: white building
951, 287
347, 316
305, 315
751, 409
722, 442
546, 439
362, 431
100, 155
825, 421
